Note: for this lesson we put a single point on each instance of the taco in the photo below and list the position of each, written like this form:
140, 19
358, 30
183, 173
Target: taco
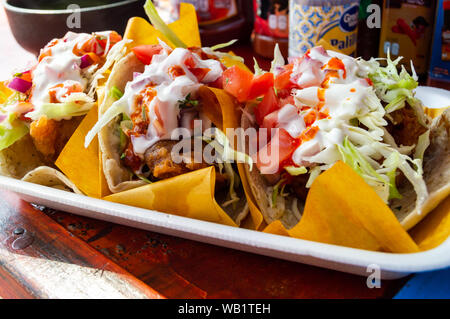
152, 95
326, 107
42, 106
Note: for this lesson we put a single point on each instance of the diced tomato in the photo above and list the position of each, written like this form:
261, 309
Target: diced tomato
269, 104
283, 79
217, 83
270, 120
283, 145
237, 82
199, 73
145, 53
260, 85
113, 36
287, 100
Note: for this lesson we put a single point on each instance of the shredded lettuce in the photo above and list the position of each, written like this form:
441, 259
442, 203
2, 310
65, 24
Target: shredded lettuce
59, 111
276, 191
11, 130
295, 171
391, 164
115, 54
160, 25
391, 86
223, 45
356, 160
228, 155
257, 68
116, 93
422, 144
278, 59
115, 109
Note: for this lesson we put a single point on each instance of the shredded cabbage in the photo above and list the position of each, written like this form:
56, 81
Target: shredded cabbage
160, 25
221, 145
278, 60
115, 54
223, 45
117, 108
422, 144
60, 111
257, 68
295, 171
11, 130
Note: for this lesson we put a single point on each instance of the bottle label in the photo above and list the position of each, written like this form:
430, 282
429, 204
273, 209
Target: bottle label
333, 26
272, 18
406, 30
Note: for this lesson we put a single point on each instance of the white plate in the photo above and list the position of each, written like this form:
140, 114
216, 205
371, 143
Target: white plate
355, 261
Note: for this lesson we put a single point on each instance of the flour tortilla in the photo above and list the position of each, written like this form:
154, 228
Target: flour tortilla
20, 158
119, 177
436, 174
48, 176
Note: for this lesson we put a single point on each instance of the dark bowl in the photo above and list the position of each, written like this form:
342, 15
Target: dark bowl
34, 28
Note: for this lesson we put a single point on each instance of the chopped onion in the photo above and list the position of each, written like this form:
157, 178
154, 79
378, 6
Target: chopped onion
20, 85
85, 61
2, 117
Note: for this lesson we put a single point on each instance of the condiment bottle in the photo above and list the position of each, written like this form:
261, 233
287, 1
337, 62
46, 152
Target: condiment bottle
219, 20
331, 23
406, 31
439, 74
271, 27
368, 35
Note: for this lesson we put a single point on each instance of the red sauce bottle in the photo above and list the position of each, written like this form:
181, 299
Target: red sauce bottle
271, 27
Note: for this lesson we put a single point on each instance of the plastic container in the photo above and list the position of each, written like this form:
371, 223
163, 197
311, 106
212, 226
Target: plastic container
332, 23
350, 260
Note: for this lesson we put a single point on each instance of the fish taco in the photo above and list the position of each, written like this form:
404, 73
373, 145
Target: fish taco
326, 107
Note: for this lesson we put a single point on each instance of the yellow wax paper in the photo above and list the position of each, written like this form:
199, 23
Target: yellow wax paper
186, 28
434, 229
4, 92
82, 165
342, 209
189, 195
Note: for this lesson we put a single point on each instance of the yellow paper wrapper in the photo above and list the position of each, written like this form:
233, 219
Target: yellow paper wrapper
434, 229
4, 92
189, 195
341, 209
186, 28
82, 165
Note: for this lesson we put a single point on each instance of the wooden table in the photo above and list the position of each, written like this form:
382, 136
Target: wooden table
68, 256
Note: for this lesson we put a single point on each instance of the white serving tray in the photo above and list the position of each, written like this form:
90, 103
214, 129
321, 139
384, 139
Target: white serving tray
350, 260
